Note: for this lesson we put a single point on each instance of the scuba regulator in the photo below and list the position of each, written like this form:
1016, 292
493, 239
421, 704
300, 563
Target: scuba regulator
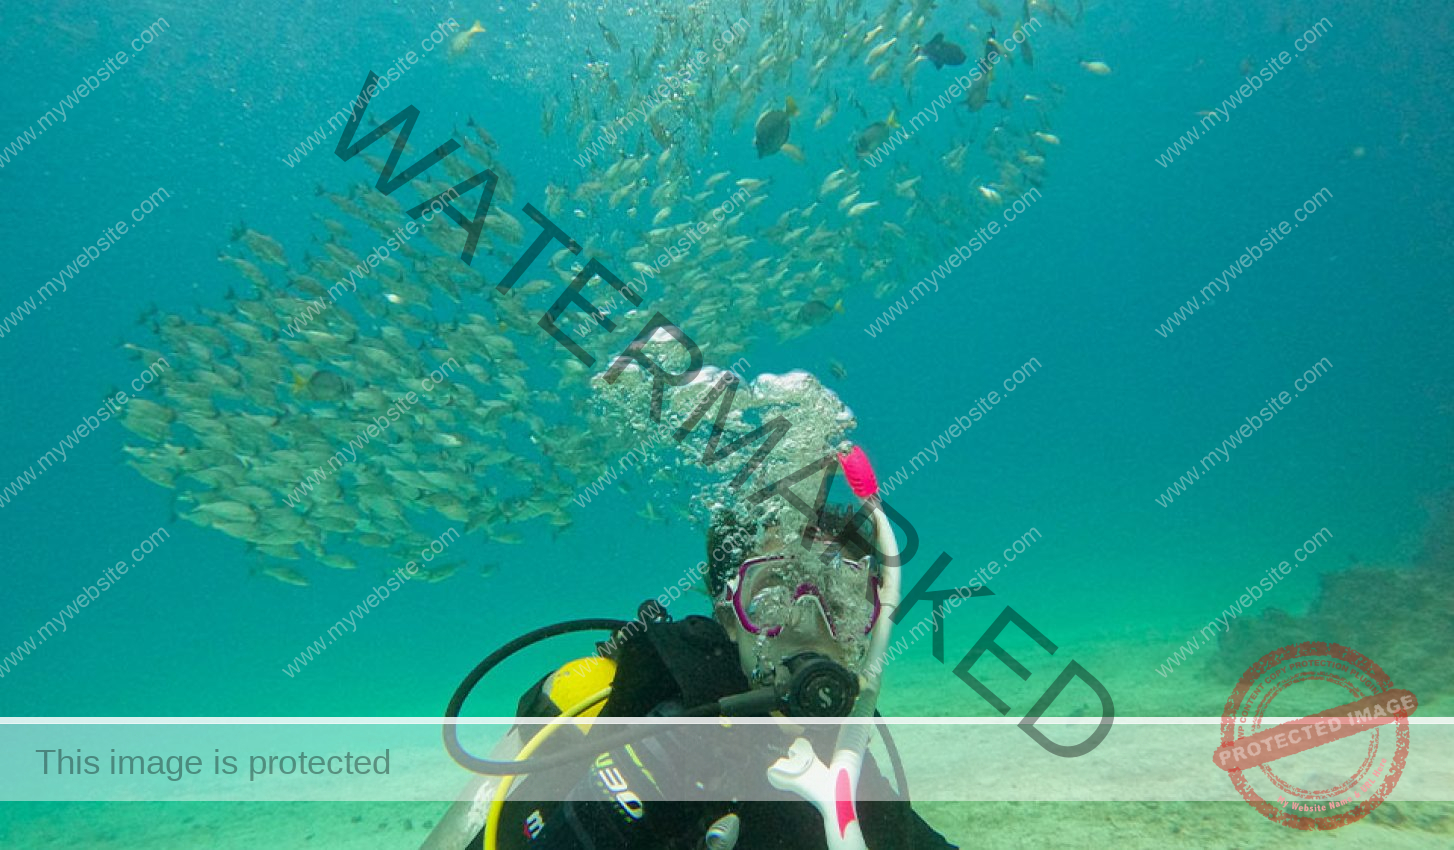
815, 686
808, 684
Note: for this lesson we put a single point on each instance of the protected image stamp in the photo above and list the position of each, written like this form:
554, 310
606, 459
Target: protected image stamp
1377, 712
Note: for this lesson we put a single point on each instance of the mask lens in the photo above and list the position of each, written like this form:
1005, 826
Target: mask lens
768, 587
768, 608
851, 597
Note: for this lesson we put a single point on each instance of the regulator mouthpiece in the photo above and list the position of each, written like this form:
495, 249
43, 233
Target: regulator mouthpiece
818, 687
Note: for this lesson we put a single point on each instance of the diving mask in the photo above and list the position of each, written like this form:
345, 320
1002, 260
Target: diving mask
773, 592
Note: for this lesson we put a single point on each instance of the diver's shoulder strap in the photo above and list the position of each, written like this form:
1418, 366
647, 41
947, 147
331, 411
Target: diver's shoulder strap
690, 661
561, 689
649, 661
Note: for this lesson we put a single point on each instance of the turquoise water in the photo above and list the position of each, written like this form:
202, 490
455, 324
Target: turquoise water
1113, 414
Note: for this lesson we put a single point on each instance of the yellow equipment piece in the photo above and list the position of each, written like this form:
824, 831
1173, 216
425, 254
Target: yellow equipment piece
579, 688
579, 679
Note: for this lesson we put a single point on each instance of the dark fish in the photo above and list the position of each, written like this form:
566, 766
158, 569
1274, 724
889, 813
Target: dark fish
608, 35
979, 93
773, 129
815, 313
661, 134
942, 52
322, 386
483, 135
992, 47
875, 134
1025, 48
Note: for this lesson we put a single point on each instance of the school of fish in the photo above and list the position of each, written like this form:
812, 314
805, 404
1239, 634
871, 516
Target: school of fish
269, 395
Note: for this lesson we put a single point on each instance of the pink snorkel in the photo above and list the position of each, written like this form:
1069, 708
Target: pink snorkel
859, 473
832, 788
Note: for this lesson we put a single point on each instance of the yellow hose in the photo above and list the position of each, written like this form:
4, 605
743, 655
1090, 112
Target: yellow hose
497, 803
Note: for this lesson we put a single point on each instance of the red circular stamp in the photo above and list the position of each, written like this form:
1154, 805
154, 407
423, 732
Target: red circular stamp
1350, 755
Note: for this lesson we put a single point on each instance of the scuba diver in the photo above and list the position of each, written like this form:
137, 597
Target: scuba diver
797, 633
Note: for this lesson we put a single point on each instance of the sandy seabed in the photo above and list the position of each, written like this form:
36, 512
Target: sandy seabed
919, 689
376, 826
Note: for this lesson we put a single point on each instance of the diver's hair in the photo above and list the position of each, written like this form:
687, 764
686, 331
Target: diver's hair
731, 537
848, 527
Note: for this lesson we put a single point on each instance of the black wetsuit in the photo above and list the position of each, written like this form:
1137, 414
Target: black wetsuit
684, 663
